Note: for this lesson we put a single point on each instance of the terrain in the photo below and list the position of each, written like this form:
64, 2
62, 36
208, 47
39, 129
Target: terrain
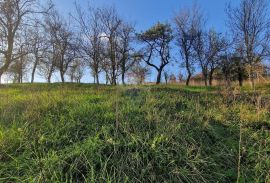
89, 133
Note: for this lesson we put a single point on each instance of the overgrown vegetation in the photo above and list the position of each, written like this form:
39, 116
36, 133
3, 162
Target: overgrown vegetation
89, 133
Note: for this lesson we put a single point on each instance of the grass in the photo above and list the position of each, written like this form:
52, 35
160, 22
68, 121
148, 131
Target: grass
88, 133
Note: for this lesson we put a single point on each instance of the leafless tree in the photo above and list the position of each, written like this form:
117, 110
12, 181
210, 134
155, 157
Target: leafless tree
138, 73
91, 40
18, 69
250, 23
14, 14
207, 47
166, 76
180, 77
63, 41
46, 66
125, 49
38, 47
111, 25
172, 78
218, 46
76, 71
188, 23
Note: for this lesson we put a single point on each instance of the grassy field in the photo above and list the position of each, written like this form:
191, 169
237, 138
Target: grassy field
85, 133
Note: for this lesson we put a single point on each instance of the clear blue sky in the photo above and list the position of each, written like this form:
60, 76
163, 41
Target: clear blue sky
145, 13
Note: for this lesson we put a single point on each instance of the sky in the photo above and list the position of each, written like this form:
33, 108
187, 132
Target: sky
146, 13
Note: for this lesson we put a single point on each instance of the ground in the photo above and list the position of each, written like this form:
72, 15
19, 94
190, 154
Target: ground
88, 133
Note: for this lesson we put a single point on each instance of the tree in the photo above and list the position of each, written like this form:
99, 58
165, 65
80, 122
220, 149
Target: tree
208, 47
111, 24
46, 66
63, 41
172, 78
91, 43
188, 23
138, 73
166, 76
219, 45
249, 24
180, 77
226, 68
13, 16
238, 69
76, 71
127, 60
157, 40
38, 47
18, 68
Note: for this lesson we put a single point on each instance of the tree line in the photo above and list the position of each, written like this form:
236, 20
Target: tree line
35, 39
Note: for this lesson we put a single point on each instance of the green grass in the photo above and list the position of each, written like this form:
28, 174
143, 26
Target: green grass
88, 133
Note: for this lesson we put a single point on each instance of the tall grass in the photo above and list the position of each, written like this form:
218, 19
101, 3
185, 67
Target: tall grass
88, 133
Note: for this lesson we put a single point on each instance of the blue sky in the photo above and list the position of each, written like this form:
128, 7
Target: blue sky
145, 13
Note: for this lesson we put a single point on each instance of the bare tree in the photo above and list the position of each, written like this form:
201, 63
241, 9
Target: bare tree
14, 15
166, 76
48, 63
76, 71
218, 46
249, 24
172, 78
226, 68
157, 40
180, 77
127, 60
208, 47
138, 73
111, 24
38, 47
188, 23
46, 66
63, 42
91, 41
18, 69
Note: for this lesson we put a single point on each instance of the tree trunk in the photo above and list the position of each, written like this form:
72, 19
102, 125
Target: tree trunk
114, 78
211, 77
97, 78
205, 76
49, 76
252, 82
107, 79
49, 79
188, 71
211, 80
123, 78
188, 79
21, 78
34, 71
62, 76
240, 79
251, 77
159, 76
8, 56
205, 82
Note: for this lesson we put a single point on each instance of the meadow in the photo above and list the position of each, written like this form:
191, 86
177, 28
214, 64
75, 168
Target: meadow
88, 133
